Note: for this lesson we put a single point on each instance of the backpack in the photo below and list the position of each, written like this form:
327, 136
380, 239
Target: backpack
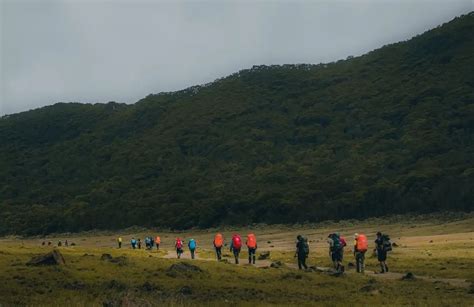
362, 244
218, 240
133, 242
157, 240
343, 241
387, 244
251, 241
336, 242
236, 242
305, 246
192, 244
179, 244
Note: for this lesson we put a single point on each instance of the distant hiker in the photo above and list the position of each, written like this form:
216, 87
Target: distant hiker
147, 242
252, 247
302, 251
139, 242
43, 244
335, 251
119, 242
179, 247
235, 246
59, 243
49, 243
66, 243
218, 242
360, 247
133, 243
157, 242
192, 247
382, 247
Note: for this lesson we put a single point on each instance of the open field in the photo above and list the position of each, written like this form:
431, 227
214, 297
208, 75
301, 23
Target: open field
439, 251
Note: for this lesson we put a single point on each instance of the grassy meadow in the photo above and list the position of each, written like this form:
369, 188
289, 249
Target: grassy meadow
438, 250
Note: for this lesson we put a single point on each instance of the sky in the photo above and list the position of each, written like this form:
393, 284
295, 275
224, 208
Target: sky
99, 51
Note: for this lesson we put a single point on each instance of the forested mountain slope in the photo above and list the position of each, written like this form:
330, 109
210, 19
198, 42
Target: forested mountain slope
391, 131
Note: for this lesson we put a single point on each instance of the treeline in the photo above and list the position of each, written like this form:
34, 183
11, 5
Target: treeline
388, 132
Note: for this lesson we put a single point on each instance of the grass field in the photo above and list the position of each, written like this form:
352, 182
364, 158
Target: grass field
438, 250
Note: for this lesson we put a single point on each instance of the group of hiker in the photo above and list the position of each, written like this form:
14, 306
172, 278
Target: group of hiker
137, 243
336, 243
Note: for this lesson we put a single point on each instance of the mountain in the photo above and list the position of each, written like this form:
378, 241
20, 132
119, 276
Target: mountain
391, 131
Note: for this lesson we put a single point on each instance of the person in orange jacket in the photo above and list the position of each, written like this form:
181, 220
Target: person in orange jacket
157, 242
252, 247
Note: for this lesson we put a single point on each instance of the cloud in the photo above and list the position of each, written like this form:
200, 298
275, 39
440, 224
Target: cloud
97, 51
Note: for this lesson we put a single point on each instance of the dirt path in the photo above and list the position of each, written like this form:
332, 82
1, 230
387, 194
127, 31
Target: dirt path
455, 282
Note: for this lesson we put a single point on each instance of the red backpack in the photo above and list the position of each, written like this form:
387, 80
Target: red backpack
236, 242
179, 244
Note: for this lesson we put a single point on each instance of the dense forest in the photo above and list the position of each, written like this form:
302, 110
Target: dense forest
391, 131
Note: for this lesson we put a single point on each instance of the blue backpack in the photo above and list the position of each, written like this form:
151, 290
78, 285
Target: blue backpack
192, 244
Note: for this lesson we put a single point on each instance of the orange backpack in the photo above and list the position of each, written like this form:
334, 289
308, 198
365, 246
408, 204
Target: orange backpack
251, 241
218, 240
157, 240
362, 244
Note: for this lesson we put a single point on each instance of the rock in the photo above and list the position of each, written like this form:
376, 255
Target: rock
292, 275
351, 265
148, 287
72, 244
186, 290
75, 285
409, 276
52, 258
117, 285
269, 242
264, 255
394, 244
184, 267
106, 257
224, 261
121, 260
87, 255
367, 288
276, 264
431, 241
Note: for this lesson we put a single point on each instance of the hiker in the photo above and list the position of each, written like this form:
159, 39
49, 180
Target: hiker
66, 243
252, 247
335, 251
360, 247
139, 243
179, 247
59, 243
235, 246
157, 242
119, 242
302, 251
192, 247
147, 243
133, 243
218, 242
382, 247
49, 243
43, 244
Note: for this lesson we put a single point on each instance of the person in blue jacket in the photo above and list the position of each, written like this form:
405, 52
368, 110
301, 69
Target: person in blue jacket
192, 247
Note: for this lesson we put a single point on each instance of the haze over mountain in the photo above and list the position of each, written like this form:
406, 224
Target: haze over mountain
97, 51
391, 131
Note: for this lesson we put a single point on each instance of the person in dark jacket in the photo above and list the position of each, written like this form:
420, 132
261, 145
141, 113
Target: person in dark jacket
381, 250
302, 251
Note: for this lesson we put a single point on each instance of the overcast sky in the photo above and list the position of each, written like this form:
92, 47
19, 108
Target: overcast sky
99, 51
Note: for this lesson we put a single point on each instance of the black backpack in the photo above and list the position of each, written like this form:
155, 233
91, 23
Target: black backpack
387, 244
305, 246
